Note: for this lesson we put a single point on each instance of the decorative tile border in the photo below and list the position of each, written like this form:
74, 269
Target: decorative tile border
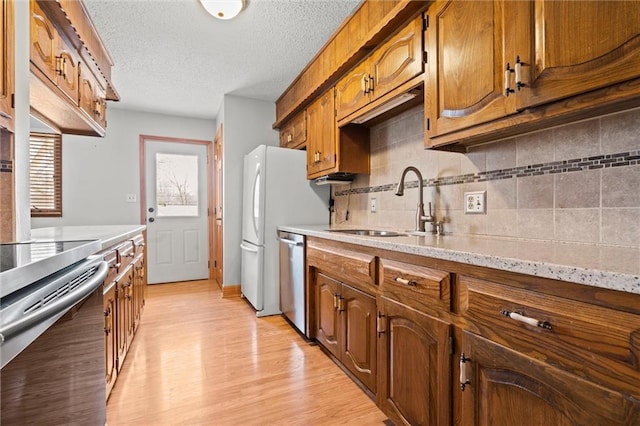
621, 159
6, 166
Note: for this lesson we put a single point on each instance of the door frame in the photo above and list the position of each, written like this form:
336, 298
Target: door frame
143, 190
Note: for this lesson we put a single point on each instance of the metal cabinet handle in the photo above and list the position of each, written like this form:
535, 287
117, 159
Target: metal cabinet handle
381, 324
335, 301
290, 242
363, 85
464, 381
410, 283
115, 265
527, 320
370, 84
129, 255
519, 64
507, 80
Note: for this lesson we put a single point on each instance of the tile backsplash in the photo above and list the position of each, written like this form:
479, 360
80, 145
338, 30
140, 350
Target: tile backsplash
575, 183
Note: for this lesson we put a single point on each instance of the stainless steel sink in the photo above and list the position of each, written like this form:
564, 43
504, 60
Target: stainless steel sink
368, 232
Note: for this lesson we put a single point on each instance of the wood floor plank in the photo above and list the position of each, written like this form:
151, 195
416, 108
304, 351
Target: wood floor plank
198, 359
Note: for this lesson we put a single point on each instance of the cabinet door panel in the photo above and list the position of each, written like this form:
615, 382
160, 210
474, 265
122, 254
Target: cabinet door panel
110, 345
44, 42
67, 70
321, 137
398, 60
359, 340
327, 324
467, 60
507, 388
577, 48
350, 91
414, 376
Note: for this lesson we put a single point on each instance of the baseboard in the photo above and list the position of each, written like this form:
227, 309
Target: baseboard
231, 291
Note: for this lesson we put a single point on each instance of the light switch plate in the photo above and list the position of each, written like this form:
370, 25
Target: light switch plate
475, 202
131, 198
374, 205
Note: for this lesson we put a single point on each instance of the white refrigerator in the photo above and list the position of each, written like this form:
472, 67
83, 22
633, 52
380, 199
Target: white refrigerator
275, 192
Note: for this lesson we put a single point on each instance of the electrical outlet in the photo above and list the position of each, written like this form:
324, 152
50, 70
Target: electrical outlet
475, 202
374, 205
131, 198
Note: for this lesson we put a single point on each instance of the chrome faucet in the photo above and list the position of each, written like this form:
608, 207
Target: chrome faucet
421, 218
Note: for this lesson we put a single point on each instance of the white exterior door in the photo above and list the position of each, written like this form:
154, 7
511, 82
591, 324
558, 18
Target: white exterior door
176, 211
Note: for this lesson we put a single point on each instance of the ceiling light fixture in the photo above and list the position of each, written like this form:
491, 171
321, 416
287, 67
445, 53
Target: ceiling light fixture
223, 9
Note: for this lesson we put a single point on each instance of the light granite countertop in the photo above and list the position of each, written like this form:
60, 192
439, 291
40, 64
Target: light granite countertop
611, 267
108, 235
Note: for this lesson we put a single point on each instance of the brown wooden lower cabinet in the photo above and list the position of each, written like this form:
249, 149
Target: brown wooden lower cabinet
435, 321
414, 375
124, 314
346, 327
505, 387
124, 293
110, 344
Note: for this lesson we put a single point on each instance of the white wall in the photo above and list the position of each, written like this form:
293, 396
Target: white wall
246, 124
97, 173
21, 142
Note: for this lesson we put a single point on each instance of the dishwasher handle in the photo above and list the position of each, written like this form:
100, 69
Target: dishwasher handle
290, 242
60, 305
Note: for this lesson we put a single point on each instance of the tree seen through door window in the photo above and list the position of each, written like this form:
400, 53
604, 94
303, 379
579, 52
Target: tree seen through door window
176, 185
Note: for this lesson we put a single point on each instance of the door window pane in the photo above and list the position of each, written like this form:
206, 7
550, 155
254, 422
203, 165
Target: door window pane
177, 185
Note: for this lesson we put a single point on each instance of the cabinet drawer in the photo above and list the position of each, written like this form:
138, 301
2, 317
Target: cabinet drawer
138, 245
358, 269
111, 257
126, 254
414, 285
594, 342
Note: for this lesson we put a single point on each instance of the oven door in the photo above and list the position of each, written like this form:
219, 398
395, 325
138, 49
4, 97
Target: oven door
58, 378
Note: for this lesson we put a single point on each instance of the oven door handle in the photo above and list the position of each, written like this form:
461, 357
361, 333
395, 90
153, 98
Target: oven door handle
58, 306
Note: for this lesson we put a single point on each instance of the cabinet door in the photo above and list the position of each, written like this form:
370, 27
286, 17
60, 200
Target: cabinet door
398, 60
321, 135
124, 318
67, 72
138, 289
352, 91
575, 47
508, 388
110, 348
44, 42
327, 293
467, 62
6, 65
414, 384
358, 312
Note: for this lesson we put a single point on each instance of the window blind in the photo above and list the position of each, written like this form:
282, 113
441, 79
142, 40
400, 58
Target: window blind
45, 152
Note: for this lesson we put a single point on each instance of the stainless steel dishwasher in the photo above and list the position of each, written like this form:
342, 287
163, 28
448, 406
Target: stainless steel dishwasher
292, 285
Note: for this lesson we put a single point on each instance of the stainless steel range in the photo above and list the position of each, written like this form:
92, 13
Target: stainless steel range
51, 333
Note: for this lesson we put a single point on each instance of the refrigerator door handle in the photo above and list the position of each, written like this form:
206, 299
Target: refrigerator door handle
247, 248
291, 242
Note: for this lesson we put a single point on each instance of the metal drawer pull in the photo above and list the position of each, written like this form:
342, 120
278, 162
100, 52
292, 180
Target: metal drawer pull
464, 381
527, 320
115, 265
411, 283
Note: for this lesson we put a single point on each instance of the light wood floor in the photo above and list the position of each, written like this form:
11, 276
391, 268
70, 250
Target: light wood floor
198, 359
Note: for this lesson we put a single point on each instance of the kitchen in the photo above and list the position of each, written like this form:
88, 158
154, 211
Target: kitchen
593, 211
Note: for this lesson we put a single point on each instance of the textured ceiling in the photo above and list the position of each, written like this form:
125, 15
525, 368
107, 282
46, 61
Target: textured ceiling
172, 57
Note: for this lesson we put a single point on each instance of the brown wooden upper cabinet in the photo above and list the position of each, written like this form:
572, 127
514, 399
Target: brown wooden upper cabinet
70, 69
492, 59
52, 55
293, 134
395, 62
7, 65
321, 135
